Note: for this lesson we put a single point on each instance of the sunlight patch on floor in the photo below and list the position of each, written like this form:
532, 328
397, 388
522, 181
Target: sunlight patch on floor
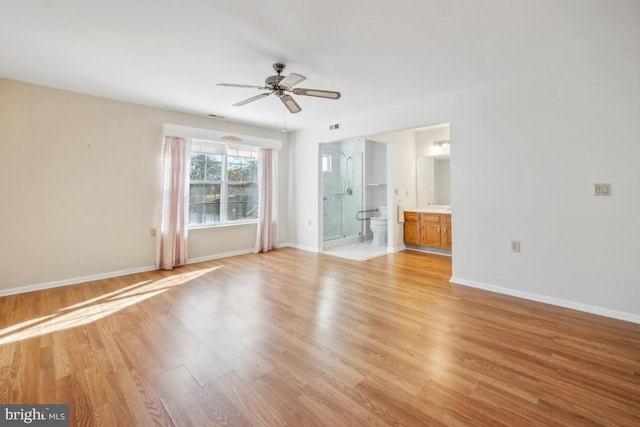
96, 308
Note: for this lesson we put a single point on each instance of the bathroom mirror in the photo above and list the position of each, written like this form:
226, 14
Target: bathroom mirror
433, 151
433, 180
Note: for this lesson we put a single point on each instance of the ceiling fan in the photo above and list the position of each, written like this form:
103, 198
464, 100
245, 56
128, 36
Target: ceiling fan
282, 86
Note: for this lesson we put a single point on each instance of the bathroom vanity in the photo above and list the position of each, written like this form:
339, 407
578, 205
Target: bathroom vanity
428, 227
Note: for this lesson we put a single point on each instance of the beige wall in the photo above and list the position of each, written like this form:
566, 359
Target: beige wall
79, 178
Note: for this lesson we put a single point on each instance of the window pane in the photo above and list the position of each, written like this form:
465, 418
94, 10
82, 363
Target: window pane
237, 211
242, 201
196, 214
214, 168
212, 213
234, 168
197, 193
212, 193
250, 170
196, 172
197, 157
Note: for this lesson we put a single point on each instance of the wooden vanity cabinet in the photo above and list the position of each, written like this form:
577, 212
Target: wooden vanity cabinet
427, 229
412, 228
430, 230
445, 226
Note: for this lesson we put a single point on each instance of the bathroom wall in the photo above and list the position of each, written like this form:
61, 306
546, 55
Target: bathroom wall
401, 187
375, 178
425, 138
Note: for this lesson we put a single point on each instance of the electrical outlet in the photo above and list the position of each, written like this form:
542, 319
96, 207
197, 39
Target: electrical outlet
602, 189
153, 232
515, 246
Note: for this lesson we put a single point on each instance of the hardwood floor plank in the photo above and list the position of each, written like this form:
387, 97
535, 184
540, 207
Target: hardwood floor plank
302, 339
283, 399
217, 406
252, 405
186, 408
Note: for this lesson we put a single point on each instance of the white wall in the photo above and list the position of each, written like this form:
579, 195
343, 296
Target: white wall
401, 187
525, 153
79, 178
376, 189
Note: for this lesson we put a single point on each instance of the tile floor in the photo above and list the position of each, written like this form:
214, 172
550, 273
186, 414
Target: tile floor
357, 251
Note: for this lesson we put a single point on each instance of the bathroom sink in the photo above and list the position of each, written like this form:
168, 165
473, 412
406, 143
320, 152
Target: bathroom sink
438, 209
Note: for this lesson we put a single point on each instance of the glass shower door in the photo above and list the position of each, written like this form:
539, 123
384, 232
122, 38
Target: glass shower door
342, 192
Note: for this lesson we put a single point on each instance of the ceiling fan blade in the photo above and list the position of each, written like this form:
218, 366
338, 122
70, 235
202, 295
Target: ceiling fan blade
247, 86
253, 98
317, 92
290, 103
291, 80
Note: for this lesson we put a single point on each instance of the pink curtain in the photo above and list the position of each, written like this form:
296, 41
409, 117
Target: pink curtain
267, 236
172, 231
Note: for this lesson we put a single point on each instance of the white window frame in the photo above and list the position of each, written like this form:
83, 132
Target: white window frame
224, 184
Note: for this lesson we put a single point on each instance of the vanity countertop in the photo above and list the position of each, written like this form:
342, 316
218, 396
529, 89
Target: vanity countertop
436, 209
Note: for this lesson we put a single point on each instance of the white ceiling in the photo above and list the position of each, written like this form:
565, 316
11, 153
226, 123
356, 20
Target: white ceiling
171, 53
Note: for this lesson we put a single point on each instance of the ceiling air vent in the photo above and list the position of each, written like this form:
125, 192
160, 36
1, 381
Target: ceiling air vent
334, 127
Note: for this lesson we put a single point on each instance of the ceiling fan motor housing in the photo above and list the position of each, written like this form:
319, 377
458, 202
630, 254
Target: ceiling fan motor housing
272, 81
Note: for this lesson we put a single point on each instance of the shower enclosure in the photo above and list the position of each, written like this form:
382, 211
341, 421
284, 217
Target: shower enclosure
342, 190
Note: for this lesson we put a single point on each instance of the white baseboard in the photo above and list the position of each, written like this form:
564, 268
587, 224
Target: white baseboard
109, 275
601, 311
74, 281
301, 247
426, 250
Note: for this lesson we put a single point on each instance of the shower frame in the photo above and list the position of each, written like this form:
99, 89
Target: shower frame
342, 191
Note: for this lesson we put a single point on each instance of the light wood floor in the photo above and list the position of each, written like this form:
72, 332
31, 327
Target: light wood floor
297, 338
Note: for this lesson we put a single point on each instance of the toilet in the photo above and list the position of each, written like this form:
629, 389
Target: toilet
378, 225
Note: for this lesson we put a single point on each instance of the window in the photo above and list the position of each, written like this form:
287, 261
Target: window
223, 186
326, 163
